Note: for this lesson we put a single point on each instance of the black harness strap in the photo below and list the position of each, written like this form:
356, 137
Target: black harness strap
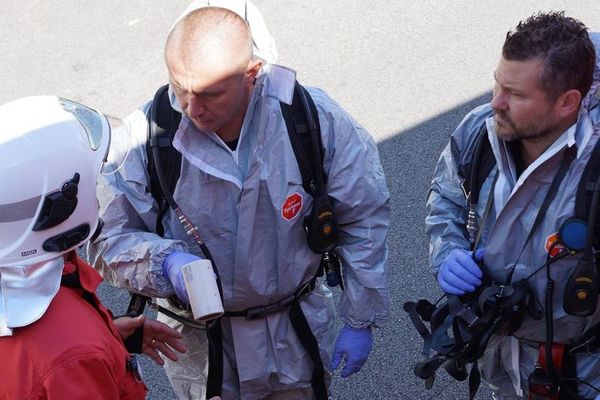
419, 312
298, 322
474, 380
475, 173
302, 142
309, 342
161, 133
481, 166
133, 343
214, 381
569, 155
72, 281
583, 199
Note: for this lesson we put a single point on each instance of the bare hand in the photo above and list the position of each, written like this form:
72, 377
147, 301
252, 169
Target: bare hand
157, 337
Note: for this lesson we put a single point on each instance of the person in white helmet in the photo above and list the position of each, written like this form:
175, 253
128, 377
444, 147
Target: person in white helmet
56, 338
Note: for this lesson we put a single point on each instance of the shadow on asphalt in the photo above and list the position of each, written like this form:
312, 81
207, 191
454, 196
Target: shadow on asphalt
408, 160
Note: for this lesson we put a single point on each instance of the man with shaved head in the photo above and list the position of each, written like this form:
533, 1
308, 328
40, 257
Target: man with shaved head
241, 184
211, 69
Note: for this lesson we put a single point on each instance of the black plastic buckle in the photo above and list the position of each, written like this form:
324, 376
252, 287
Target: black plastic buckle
500, 293
471, 323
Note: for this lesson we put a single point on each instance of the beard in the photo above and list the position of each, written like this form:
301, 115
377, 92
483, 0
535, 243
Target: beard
507, 130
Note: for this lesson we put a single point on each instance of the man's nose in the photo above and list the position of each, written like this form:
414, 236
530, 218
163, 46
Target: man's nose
499, 100
195, 107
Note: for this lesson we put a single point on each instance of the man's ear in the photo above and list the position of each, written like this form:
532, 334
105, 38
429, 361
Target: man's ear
568, 103
254, 67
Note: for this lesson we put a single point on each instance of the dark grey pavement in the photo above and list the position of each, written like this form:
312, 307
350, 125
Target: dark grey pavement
408, 71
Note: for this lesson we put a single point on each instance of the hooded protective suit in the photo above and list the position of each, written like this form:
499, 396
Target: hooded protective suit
508, 361
240, 202
188, 375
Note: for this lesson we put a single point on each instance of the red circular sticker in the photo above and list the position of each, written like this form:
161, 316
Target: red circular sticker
292, 206
553, 245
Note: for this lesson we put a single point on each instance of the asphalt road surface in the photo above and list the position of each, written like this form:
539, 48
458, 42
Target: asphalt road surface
407, 70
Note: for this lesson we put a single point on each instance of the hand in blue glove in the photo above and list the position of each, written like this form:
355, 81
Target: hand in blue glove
354, 345
172, 269
459, 273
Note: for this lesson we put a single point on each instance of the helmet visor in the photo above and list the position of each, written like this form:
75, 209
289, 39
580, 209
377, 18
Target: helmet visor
112, 144
119, 146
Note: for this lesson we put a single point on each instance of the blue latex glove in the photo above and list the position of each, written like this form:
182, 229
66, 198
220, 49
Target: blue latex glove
459, 273
354, 345
172, 269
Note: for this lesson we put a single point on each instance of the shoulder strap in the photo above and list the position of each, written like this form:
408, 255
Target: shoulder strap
163, 122
588, 184
302, 121
481, 165
307, 147
73, 281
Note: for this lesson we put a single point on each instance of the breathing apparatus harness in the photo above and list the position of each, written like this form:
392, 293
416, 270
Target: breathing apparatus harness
550, 378
301, 118
460, 328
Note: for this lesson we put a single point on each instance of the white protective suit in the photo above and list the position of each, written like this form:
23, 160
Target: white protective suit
509, 360
237, 199
188, 375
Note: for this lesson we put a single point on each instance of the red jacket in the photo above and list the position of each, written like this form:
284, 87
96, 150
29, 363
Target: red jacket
73, 352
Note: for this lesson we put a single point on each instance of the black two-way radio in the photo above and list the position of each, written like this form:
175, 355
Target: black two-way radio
581, 291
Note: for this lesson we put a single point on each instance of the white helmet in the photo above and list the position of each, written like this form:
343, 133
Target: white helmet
51, 152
